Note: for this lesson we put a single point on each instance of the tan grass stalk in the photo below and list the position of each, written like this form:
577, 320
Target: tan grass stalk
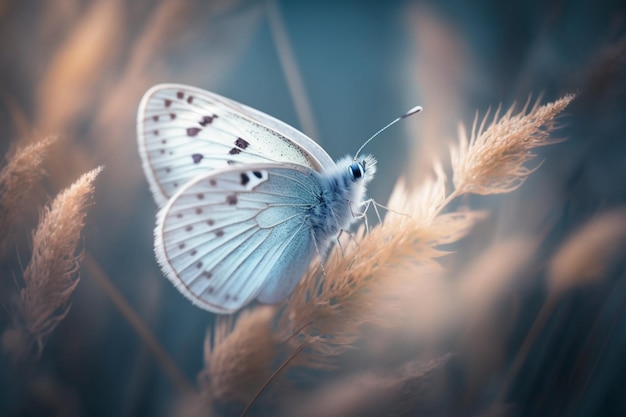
75, 72
366, 278
492, 160
238, 358
371, 394
290, 69
442, 66
51, 275
193, 405
488, 278
582, 259
97, 273
589, 252
495, 275
22, 171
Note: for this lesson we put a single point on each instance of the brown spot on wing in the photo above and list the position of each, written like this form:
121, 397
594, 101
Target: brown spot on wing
193, 131
242, 143
206, 120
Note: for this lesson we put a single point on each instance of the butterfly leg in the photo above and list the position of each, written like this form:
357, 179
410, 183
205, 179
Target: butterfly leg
338, 238
376, 205
363, 215
319, 254
373, 203
350, 237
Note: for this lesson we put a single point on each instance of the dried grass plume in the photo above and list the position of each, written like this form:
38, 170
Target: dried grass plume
51, 274
238, 358
492, 160
368, 394
589, 252
21, 173
368, 279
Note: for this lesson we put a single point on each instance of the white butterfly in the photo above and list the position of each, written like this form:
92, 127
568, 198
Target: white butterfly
246, 200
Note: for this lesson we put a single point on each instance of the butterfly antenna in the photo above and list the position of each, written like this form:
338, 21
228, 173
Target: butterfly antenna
411, 112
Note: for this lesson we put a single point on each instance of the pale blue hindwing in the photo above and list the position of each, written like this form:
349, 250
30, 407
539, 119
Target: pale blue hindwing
184, 131
239, 233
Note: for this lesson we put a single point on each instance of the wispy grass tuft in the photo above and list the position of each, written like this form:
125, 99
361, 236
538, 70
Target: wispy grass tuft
587, 254
51, 274
583, 259
368, 279
23, 170
394, 393
238, 356
492, 160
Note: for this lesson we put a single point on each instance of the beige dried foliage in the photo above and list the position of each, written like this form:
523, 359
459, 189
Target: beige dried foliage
589, 252
19, 119
492, 275
441, 69
371, 394
238, 359
495, 275
193, 405
21, 173
75, 72
430, 310
51, 274
368, 278
492, 160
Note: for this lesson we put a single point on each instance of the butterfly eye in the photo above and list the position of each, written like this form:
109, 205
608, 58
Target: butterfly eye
356, 170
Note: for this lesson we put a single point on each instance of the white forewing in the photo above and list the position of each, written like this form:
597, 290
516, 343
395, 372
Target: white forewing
238, 233
185, 131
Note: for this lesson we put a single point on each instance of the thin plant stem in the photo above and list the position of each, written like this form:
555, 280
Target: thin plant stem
180, 381
617, 318
529, 341
290, 69
272, 377
297, 332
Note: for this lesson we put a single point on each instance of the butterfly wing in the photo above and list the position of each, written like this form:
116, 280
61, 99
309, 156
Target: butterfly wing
234, 234
185, 131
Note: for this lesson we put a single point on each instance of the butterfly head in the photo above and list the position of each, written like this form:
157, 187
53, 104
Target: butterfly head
362, 169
